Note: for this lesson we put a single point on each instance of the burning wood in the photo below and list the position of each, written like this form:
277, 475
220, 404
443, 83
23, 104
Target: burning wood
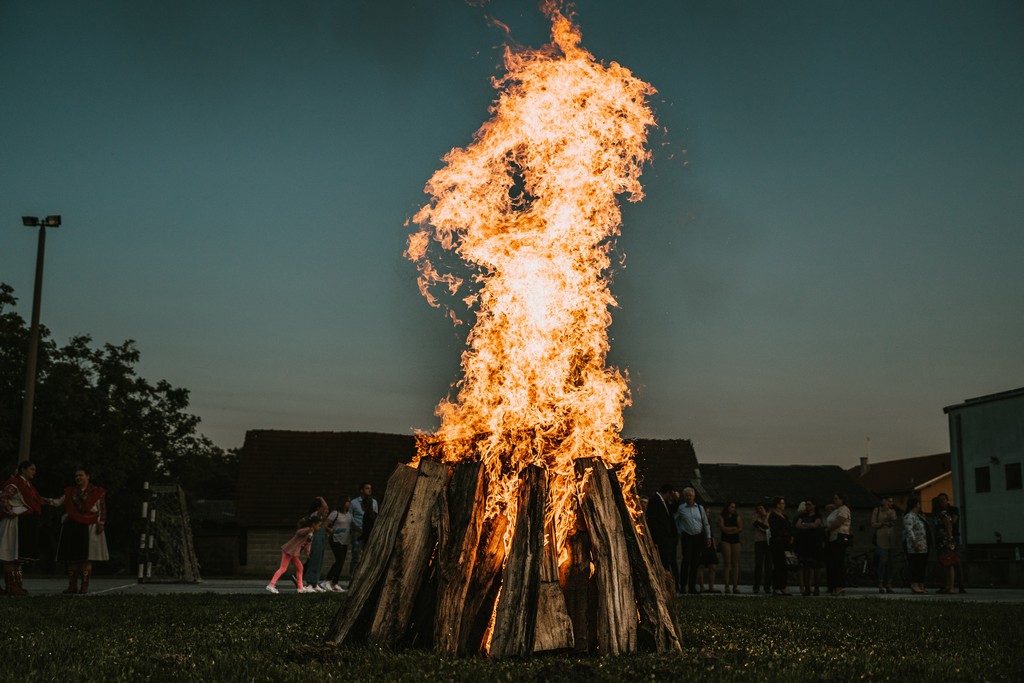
611, 596
536, 541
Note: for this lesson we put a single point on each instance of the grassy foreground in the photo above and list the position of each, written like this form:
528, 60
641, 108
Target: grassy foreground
279, 638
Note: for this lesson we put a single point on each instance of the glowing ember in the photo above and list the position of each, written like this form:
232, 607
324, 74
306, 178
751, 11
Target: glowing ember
530, 207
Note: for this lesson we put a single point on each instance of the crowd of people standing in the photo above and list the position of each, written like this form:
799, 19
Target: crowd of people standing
690, 538
814, 542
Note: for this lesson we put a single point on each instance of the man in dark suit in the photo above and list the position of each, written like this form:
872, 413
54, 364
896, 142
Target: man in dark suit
662, 525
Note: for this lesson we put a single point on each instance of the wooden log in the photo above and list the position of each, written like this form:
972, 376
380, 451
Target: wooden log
515, 616
483, 587
654, 587
352, 620
408, 566
580, 590
421, 627
460, 521
554, 630
616, 600
549, 559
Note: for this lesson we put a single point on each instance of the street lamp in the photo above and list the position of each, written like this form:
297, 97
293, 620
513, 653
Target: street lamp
33, 334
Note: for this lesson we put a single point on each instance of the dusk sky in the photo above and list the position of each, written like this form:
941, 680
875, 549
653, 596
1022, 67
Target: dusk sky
830, 249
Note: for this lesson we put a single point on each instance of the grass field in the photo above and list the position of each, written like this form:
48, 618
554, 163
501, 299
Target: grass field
279, 638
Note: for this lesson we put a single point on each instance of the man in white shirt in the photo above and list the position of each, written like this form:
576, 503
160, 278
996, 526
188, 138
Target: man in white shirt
695, 532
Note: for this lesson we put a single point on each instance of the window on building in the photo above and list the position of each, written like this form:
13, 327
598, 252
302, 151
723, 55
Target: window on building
1013, 480
982, 480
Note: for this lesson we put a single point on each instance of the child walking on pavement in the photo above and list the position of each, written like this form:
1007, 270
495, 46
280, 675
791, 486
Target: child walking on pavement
290, 551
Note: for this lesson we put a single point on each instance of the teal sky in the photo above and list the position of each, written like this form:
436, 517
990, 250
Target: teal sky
831, 247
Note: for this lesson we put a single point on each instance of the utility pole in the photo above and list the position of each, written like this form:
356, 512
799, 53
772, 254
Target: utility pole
33, 334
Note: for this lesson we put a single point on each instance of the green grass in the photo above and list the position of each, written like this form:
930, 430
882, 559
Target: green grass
279, 638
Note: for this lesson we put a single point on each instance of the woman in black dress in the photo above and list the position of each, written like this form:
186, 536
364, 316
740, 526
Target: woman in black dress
780, 541
730, 525
945, 547
807, 544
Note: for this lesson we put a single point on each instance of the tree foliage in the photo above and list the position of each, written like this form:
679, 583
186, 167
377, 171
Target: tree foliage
93, 409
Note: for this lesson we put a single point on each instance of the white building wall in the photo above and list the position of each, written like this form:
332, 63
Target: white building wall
987, 434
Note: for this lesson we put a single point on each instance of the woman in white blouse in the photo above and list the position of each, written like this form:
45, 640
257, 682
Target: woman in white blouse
838, 525
339, 529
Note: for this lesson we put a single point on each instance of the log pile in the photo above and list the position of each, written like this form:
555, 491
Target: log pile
435, 573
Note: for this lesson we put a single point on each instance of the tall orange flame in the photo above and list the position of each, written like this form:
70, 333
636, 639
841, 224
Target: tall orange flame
530, 207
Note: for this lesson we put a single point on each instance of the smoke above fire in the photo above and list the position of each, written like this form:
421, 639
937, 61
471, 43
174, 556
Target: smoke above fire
530, 211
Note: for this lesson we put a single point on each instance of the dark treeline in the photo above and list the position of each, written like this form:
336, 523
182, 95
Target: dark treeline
92, 409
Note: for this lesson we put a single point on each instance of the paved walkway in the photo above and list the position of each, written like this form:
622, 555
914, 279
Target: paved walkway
99, 586
122, 586
866, 593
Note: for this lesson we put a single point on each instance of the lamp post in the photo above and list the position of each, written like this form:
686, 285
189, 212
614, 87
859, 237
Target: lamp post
33, 333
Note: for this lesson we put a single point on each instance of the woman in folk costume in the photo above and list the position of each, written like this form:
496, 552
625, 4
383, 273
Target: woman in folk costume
82, 538
21, 508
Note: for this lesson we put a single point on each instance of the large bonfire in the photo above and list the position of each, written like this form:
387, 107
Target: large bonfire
530, 209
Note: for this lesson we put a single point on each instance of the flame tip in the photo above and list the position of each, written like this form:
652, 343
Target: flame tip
530, 209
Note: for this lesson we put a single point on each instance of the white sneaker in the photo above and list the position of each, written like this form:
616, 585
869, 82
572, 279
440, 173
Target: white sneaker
271, 588
317, 589
325, 585
306, 589
336, 587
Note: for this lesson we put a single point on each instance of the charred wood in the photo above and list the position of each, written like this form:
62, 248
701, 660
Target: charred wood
515, 616
653, 586
483, 587
459, 523
352, 621
410, 558
616, 599
554, 629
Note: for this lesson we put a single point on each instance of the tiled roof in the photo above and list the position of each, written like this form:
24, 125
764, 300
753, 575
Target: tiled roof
748, 485
281, 471
663, 461
898, 477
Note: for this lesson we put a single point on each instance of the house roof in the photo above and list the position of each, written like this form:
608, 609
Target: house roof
663, 461
281, 471
748, 485
988, 398
898, 477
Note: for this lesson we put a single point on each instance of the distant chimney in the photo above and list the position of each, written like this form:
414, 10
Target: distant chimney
864, 466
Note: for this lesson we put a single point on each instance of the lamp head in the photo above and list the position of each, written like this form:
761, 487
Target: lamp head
35, 221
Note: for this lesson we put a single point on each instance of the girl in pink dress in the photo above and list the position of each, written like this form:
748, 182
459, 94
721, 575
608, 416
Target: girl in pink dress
290, 551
